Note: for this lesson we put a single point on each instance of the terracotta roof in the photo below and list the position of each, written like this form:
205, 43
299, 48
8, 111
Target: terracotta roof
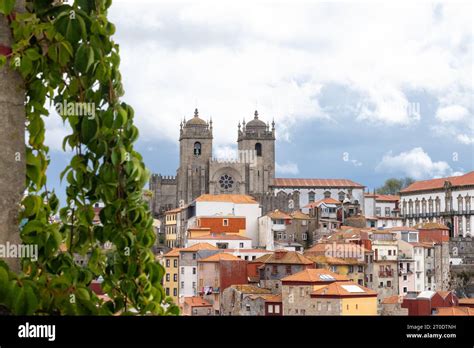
200, 246
277, 214
196, 301
387, 198
401, 228
263, 251
291, 182
285, 257
324, 200
392, 299
431, 226
341, 289
237, 199
456, 310
433, 184
421, 244
220, 257
321, 259
299, 215
250, 289
274, 298
314, 275
222, 236
173, 252
443, 294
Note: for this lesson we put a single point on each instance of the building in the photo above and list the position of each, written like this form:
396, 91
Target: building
382, 210
223, 241
222, 206
427, 302
273, 305
296, 289
407, 278
392, 305
188, 267
273, 267
216, 273
196, 306
385, 272
344, 298
244, 300
272, 228
171, 277
446, 200
328, 214
172, 224
353, 269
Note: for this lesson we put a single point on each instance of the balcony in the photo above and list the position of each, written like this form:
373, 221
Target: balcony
386, 274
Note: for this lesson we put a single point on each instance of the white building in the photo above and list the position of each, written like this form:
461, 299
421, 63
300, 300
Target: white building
312, 190
223, 241
382, 210
272, 228
228, 204
446, 200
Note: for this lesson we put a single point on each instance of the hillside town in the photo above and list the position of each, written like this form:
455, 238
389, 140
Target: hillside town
406, 254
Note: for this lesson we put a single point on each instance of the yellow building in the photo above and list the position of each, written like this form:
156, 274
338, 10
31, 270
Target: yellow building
345, 298
171, 277
171, 227
353, 269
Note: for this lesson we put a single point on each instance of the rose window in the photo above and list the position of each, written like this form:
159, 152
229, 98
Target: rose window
226, 182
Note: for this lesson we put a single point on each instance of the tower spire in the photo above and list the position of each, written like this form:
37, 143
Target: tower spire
196, 113
256, 115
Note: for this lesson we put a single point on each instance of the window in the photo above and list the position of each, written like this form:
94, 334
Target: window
360, 269
342, 196
258, 149
241, 245
288, 269
351, 269
194, 285
274, 269
197, 149
175, 277
175, 292
182, 270
378, 211
194, 256
167, 263
254, 257
327, 194
301, 291
390, 253
387, 211
167, 291
247, 307
304, 236
225, 222
175, 263
277, 309
194, 270
329, 306
182, 285
311, 197
270, 309
167, 277
246, 258
226, 182
405, 278
319, 306
389, 283
405, 289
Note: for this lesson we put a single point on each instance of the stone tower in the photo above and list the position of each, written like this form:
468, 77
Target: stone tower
256, 140
195, 153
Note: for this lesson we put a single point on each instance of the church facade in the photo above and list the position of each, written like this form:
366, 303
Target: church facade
252, 173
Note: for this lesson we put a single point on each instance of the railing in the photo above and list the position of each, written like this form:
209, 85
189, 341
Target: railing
386, 274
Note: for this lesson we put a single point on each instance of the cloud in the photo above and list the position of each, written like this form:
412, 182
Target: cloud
287, 168
415, 163
230, 58
452, 113
465, 139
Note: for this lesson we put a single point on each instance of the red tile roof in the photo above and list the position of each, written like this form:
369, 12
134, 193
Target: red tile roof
284, 257
173, 252
431, 226
340, 289
433, 184
455, 311
278, 214
314, 275
200, 246
196, 301
221, 257
237, 199
324, 200
291, 182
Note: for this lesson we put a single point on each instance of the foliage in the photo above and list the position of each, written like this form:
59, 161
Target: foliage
393, 186
65, 55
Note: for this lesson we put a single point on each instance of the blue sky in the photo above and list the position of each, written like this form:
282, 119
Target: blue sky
358, 90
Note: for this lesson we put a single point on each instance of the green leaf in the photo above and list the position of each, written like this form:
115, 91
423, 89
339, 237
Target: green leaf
31, 301
6, 6
84, 58
3, 60
32, 54
88, 129
26, 66
69, 27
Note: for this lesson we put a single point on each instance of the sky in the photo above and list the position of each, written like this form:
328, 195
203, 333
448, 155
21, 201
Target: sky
358, 90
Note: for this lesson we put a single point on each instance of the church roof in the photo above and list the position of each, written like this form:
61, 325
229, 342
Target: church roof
434, 184
196, 120
256, 123
293, 182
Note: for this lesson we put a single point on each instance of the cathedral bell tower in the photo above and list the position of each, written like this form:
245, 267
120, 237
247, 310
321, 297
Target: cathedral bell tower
258, 139
195, 153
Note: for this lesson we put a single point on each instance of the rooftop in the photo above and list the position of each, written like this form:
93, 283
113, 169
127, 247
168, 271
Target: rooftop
434, 184
278, 214
173, 252
284, 257
344, 289
315, 275
321, 201
250, 289
456, 311
431, 226
292, 182
196, 301
221, 236
230, 198
220, 257
200, 246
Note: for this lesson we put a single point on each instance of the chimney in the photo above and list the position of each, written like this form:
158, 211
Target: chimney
279, 254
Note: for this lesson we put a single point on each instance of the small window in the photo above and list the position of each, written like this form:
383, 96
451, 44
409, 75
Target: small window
175, 263
175, 277
247, 307
194, 256
197, 149
241, 245
270, 308
277, 309
167, 277
258, 149
194, 270
167, 263
225, 222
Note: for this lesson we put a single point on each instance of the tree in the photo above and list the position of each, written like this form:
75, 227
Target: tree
64, 54
393, 186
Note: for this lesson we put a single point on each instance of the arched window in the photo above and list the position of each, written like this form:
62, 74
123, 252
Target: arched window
327, 194
258, 149
311, 197
197, 149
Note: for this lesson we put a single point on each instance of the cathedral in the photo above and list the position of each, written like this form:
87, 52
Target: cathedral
252, 172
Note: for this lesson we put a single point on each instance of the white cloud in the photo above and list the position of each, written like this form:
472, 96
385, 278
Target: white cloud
415, 163
452, 113
229, 58
465, 139
287, 168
